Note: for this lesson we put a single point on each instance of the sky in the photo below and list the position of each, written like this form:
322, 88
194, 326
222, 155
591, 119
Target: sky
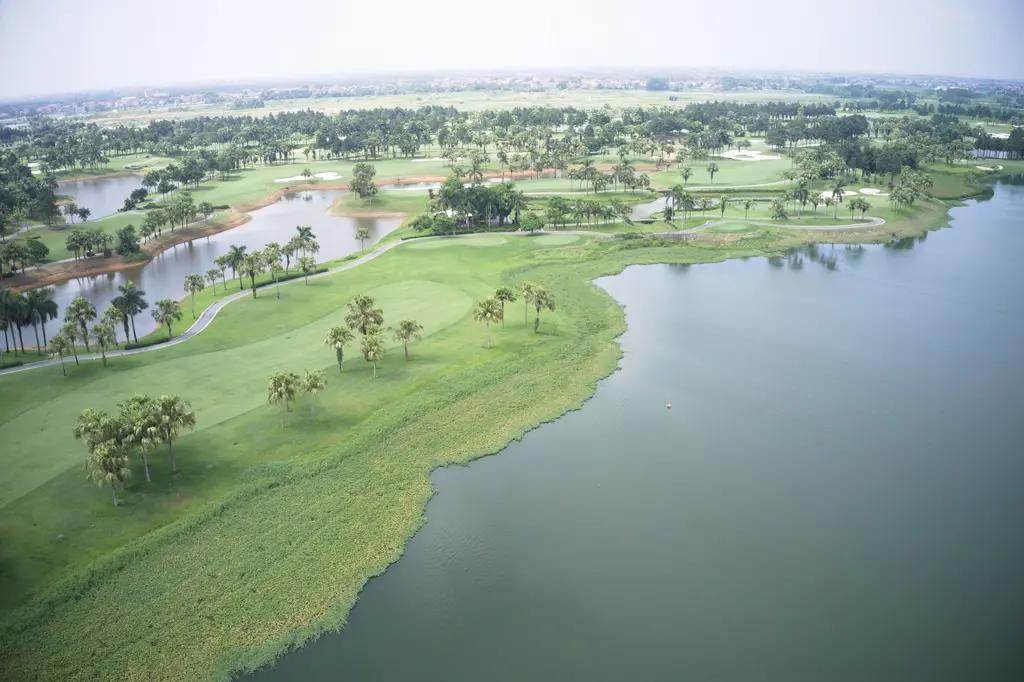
50, 46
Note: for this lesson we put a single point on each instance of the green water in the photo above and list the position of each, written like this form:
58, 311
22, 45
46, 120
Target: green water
836, 494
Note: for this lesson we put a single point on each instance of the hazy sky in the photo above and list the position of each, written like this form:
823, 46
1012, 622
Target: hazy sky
67, 45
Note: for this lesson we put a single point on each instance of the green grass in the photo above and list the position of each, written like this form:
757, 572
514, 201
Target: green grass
223, 566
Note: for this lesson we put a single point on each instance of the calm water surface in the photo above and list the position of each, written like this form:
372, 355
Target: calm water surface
836, 494
163, 277
102, 196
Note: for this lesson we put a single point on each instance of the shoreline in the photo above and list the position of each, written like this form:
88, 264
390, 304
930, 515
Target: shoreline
63, 271
50, 274
327, 607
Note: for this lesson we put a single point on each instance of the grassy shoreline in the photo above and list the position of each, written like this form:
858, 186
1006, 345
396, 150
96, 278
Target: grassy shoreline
483, 402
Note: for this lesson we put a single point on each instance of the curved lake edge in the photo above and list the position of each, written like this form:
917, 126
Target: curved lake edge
335, 621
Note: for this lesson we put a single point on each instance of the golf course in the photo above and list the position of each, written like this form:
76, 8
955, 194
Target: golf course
438, 302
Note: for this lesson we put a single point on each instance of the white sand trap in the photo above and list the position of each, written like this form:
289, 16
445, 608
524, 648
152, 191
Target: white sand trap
329, 175
749, 155
871, 191
989, 168
436, 158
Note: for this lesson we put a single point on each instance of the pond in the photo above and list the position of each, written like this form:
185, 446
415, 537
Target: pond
163, 277
837, 492
102, 196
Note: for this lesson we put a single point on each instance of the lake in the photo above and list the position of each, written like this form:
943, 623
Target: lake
837, 492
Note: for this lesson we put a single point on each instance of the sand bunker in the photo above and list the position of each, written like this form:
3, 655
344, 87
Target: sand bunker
328, 175
989, 168
436, 158
871, 191
749, 155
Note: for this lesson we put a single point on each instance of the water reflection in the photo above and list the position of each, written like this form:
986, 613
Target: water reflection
163, 276
102, 196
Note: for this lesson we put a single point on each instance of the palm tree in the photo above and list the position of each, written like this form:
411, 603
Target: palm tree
712, 169
363, 316
170, 415
685, 174
212, 275
336, 338
40, 308
252, 265
504, 295
406, 331
271, 255
542, 300
103, 334
488, 311
112, 315
307, 265
61, 345
305, 235
313, 383
747, 205
138, 419
193, 285
373, 349
362, 234
107, 464
723, 201
222, 264
70, 332
526, 291
81, 312
837, 197
282, 389
8, 315
233, 258
166, 313
131, 302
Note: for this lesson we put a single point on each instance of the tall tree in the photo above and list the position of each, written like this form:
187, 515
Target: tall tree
166, 313
312, 383
504, 295
104, 336
542, 300
81, 312
336, 338
193, 285
234, 258
363, 315
171, 415
373, 349
61, 345
712, 169
406, 331
131, 302
526, 291
488, 311
252, 265
282, 389
40, 308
